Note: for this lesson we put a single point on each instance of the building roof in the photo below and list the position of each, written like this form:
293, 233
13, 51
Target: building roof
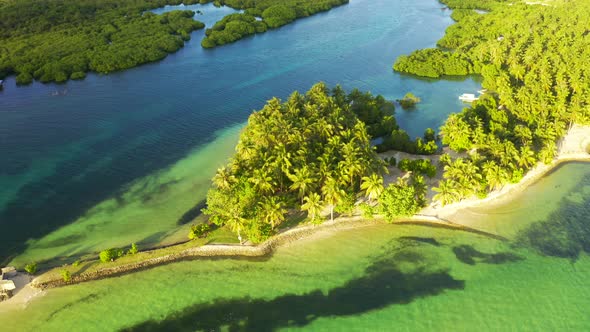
8, 269
7, 285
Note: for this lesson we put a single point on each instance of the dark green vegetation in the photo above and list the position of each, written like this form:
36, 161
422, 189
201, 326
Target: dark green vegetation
409, 101
31, 268
270, 13
420, 166
308, 153
231, 28
199, 231
535, 69
375, 111
311, 153
399, 140
110, 255
433, 63
378, 114
403, 199
61, 40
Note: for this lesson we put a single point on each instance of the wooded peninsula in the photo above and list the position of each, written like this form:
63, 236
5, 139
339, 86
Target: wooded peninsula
314, 154
533, 60
61, 40
535, 89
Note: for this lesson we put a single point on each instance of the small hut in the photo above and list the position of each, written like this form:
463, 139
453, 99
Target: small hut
7, 272
7, 285
6, 288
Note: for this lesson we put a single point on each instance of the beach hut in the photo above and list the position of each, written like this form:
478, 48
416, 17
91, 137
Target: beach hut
6, 288
8, 272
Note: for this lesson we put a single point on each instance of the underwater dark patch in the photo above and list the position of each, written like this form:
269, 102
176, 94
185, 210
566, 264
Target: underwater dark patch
565, 233
62, 241
469, 255
428, 240
191, 214
382, 285
85, 299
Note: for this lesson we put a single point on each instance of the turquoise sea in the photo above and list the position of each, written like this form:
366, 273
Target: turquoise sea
127, 158
375, 278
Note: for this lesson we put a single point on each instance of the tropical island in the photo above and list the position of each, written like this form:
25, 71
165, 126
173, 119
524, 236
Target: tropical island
305, 159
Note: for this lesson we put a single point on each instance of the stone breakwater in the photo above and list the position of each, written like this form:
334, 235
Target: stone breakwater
265, 249
207, 251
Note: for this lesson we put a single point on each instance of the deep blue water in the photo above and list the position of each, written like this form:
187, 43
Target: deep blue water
66, 147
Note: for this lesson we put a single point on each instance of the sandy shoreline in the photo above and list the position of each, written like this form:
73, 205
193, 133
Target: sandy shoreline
573, 147
23, 294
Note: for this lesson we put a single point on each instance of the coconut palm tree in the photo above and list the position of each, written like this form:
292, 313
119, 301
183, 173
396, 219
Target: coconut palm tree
372, 185
447, 193
262, 180
313, 205
272, 210
420, 187
302, 180
223, 179
526, 158
495, 175
332, 194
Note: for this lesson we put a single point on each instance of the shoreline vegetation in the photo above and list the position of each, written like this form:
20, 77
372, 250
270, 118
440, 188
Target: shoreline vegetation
260, 16
531, 120
573, 147
57, 41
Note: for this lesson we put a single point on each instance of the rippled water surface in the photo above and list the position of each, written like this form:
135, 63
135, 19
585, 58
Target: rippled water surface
127, 157
376, 278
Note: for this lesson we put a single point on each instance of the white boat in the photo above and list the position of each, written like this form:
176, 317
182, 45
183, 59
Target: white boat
468, 97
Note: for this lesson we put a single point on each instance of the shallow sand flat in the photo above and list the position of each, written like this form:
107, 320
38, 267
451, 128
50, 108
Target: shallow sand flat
23, 293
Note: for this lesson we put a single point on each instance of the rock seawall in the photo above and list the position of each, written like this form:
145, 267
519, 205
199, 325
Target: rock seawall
210, 251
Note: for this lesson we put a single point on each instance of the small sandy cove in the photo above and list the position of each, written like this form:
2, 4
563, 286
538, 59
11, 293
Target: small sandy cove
573, 147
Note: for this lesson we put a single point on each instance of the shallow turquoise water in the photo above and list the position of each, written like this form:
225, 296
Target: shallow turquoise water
124, 158
376, 278
77, 165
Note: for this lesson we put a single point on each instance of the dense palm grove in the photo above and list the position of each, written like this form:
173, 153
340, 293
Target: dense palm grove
60, 40
533, 60
310, 153
259, 16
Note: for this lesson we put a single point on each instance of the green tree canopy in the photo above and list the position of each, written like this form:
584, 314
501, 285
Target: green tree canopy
307, 153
